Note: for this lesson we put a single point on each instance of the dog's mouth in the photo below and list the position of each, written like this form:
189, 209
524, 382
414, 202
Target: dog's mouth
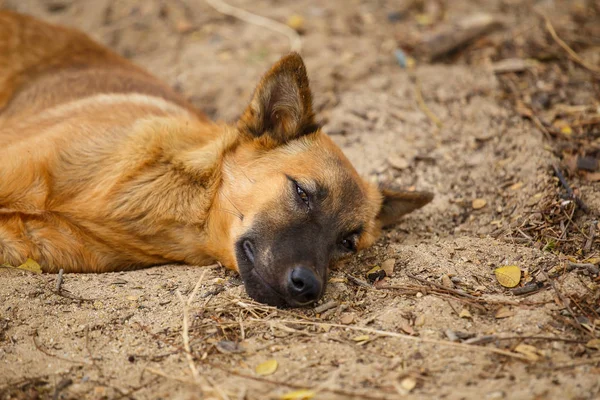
259, 287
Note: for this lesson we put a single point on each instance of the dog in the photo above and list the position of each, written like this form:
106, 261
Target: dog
106, 168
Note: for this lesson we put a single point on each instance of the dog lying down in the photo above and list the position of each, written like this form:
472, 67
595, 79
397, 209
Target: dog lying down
106, 168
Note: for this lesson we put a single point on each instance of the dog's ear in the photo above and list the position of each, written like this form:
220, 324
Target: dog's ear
397, 203
281, 107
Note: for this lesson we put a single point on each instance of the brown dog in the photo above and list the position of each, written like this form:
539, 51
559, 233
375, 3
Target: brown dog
105, 168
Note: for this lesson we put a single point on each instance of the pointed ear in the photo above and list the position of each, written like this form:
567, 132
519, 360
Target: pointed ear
281, 106
398, 203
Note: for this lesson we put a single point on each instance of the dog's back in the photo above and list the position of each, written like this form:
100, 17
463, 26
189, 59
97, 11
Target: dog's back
44, 66
71, 113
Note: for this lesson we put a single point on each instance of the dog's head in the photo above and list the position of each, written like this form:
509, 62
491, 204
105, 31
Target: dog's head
299, 205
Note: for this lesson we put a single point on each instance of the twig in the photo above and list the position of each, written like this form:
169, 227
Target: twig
59, 280
358, 282
185, 329
590, 267
423, 106
292, 35
326, 306
574, 56
437, 285
528, 289
567, 187
577, 363
46, 352
462, 346
590, 240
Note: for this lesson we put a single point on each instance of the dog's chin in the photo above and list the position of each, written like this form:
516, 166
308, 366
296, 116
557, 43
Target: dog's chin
260, 290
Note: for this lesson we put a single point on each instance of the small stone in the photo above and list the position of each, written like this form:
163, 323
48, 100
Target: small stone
408, 383
347, 319
420, 320
451, 335
398, 162
478, 204
447, 282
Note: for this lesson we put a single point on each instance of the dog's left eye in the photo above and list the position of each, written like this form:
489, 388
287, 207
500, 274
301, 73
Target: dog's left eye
302, 194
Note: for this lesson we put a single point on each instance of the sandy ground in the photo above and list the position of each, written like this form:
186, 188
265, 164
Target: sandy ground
119, 335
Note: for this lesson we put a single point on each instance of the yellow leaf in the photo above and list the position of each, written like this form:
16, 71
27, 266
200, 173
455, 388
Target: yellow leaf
528, 351
478, 203
504, 312
361, 338
302, 394
266, 368
508, 276
408, 384
566, 130
593, 344
31, 266
296, 22
464, 313
517, 186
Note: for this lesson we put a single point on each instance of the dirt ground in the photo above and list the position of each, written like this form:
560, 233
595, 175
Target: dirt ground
441, 325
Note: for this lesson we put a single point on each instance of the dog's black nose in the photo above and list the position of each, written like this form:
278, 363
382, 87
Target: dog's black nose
303, 285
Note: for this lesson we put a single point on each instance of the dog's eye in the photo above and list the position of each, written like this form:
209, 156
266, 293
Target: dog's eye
348, 244
302, 194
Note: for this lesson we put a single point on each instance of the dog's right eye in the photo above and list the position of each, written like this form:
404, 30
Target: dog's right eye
302, 194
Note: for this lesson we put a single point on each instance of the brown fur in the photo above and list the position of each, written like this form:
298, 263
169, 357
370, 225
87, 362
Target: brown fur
106, 168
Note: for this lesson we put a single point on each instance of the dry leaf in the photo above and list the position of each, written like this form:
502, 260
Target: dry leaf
420, 320
407, 328
31, 266
302, 394
266, 368
517, 186
375, 274
361, 338
464, 313
528, 351
504, 312
593, 344
508, 276
408, 383
478, 203
388, 266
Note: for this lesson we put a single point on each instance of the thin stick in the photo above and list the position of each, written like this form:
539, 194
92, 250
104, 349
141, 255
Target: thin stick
437, 285
292, 35
577, 363
46, 352
185, 329
59, 280
423, 106
411, 338
574, 56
